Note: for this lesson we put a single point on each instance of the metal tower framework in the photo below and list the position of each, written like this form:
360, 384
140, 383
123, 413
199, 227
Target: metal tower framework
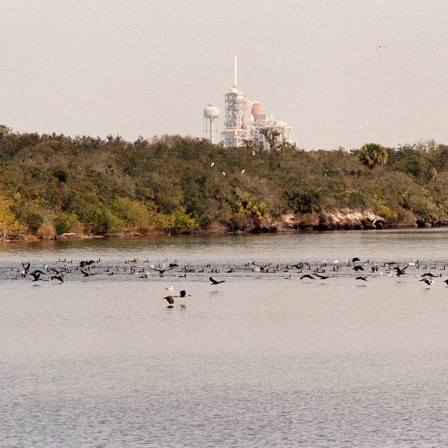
236, 118
237, 127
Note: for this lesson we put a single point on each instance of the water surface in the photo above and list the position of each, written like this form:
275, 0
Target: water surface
262, 362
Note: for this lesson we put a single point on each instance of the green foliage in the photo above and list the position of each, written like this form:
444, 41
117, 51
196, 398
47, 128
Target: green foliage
174, 184
9, 225
61, 174
66, 223
372, 154
272, 137
133, 213
4, 131
305, 201
177, 222
33, 220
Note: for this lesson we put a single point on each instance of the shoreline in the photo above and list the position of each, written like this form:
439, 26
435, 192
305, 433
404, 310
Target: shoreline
256, 231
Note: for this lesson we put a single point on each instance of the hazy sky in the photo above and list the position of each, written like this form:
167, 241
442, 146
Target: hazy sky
340, 72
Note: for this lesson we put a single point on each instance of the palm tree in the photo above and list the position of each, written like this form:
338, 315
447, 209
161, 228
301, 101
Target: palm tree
372, 154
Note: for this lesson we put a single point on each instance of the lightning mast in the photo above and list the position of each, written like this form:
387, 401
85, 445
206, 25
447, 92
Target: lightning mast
235, 130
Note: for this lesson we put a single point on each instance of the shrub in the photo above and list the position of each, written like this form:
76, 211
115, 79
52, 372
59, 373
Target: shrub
46, 232
66, 223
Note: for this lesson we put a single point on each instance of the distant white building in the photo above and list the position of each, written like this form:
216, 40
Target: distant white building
263, 124
235, 130
240, 126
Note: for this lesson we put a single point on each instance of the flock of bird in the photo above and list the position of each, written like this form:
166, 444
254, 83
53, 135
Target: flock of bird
360, 271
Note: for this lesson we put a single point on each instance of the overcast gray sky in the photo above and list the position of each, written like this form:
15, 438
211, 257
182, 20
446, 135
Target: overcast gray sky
340, 72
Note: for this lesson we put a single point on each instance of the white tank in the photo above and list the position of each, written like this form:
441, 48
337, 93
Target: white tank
211, 111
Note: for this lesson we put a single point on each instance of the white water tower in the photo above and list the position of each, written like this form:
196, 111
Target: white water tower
211, 122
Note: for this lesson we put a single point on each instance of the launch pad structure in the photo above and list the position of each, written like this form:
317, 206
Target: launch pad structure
241, 128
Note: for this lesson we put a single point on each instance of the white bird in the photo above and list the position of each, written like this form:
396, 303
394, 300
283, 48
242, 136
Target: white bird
242, 172
169, 288
223, 173
212, 163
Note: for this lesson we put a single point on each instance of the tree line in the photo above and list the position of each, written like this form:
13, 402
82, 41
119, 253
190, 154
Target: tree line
54, 184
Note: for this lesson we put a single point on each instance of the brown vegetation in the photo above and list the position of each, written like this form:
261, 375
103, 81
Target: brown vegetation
56, 185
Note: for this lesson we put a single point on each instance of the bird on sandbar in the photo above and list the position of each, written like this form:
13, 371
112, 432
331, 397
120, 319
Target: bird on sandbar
361, 278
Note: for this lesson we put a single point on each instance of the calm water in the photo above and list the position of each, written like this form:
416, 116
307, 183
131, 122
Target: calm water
252, 362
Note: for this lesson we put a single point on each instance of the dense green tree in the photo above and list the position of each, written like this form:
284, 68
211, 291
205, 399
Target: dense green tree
4, 131
372, 154
52, 184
